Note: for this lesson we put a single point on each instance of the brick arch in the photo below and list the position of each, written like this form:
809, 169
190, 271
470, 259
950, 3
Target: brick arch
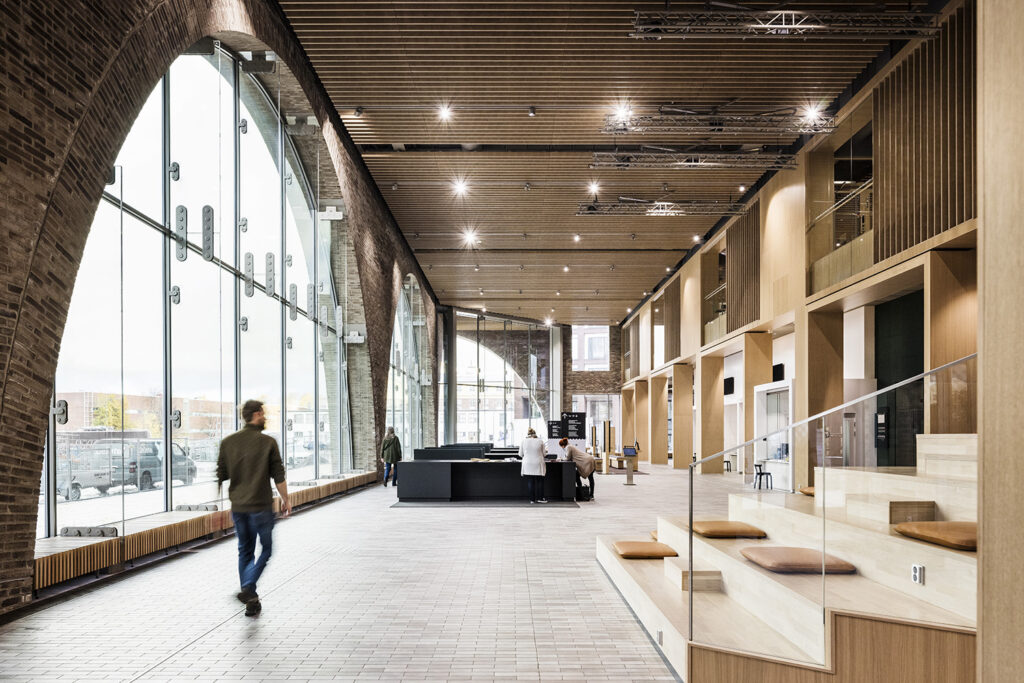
75, 86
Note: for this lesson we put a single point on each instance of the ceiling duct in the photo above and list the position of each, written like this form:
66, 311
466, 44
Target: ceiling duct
628, 206
719, 124
671, 160
782, 24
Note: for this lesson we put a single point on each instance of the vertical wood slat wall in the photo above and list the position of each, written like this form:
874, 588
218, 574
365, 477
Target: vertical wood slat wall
743, 269
672, 320
924, 140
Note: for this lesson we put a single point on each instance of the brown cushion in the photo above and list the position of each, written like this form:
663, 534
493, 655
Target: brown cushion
958, 535
726, 529
654, 534
643, 550
795, 560
807, 490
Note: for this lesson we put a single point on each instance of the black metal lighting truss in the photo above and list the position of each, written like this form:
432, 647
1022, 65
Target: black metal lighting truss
802, 24
719, 124
660, 208
762, 161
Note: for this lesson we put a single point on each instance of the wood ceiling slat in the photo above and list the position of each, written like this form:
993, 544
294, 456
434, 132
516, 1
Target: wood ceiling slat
573, 61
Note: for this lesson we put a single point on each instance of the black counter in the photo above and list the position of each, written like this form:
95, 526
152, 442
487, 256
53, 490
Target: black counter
461, 480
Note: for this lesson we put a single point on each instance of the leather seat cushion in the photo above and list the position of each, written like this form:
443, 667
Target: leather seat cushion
795, 560
957, 535
643, 550
726, 529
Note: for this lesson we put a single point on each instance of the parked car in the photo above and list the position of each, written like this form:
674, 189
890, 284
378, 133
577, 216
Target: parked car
99, 465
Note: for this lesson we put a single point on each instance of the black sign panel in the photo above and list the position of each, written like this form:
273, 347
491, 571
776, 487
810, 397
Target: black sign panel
556, 429
882, 428
575, 425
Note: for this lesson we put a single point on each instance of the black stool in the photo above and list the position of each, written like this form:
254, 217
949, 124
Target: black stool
760, 474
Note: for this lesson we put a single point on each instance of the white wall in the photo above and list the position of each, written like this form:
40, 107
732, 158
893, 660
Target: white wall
784, 351
733, 367
859, 343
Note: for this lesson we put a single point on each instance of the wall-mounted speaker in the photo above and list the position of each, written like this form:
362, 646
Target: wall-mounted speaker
778, 372
730, 385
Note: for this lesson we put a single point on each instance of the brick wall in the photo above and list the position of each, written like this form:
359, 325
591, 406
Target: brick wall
73, 76
608, 382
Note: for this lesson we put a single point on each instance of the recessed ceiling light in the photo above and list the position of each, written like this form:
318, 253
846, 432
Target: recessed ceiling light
645, 293
552, 310
532, 111
548, 321
565, 269
469, 237
594, 187
667, 269
483, 310
743, 188
444, 112
811, 113
481, 292
657, 310
476, 268
558, 293
460, 187
629, 310
696, 238
394, 186
623, 111
576, 237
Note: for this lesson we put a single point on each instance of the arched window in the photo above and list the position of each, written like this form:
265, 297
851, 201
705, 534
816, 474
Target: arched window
206, 280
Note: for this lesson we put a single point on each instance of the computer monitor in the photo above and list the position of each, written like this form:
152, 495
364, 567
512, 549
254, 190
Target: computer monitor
628, 451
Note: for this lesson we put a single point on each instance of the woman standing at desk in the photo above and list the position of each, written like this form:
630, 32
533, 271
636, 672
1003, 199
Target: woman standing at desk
532, 452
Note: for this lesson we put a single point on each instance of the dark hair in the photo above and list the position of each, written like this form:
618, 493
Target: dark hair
563, 442
251, 407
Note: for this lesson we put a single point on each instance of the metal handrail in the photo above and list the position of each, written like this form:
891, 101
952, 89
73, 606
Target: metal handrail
841, 203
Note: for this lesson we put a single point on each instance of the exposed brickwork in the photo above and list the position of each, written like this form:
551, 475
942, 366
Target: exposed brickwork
73, 76
591, 382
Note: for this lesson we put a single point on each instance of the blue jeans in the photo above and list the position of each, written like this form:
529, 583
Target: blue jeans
249, 526
388, 469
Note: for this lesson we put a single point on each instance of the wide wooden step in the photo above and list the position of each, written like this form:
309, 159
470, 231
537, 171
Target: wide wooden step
948, 455
956, 500
663, 609
879, 553
887, 511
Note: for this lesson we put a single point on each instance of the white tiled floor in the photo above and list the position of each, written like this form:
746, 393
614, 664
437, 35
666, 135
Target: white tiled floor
358, 590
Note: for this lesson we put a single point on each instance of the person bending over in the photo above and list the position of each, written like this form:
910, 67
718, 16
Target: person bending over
584, 464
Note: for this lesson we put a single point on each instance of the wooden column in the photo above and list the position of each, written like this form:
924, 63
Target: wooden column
950, 333
824, 373
757, 369
711, 408
642, 419
659, 420
628, 416
1001, 372
682, 416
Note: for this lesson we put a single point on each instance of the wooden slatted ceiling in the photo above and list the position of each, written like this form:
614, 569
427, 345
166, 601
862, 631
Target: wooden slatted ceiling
573, 61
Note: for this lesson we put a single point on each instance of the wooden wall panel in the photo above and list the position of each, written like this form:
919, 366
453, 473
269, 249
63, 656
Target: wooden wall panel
924, 140
743, 269
711, 409
673, 311
682, 416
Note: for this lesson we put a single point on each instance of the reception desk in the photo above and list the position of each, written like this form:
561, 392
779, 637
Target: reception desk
447, 480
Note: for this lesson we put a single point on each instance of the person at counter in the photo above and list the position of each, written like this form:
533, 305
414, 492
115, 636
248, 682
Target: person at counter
532, 452
584, 461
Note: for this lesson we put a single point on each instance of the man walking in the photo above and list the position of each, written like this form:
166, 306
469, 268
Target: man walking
250, 459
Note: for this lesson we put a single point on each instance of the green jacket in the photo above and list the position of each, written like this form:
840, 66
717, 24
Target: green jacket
391, 450
250, 459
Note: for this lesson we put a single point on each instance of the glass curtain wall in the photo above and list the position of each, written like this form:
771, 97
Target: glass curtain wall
191, 298
503, 376
405, 378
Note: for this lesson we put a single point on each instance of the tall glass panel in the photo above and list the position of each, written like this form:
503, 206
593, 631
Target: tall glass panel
260, 241
201, 308
332, 415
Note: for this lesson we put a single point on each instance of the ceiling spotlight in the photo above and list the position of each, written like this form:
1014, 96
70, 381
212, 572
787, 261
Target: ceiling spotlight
667, 269
657, 310
481, 292
811, 113
597, 292
632, 236
358, 112
415, 235
594, 188
558, 293
444, 112
611, 267
565, 269
460, 187
532, 111
629, 310
469, 237
664, 187
394, 186
743, 188
483, 310
526, 186
623, 111
524, 235
522, 267
547, 321
696, 238
476, 268
576, 237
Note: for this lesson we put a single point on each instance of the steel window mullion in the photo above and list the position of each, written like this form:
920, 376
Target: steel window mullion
236, 314
283, 312
165, 298
50, 494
